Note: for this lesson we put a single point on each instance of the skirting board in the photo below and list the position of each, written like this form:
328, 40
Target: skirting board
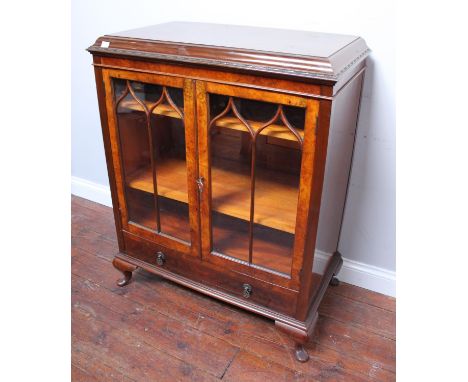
360, 274
352, 272
92, 191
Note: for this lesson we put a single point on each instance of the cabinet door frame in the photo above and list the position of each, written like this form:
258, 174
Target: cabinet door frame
304, 211
188, 87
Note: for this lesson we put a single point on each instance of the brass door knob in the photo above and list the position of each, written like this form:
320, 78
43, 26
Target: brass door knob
160, 258
247, 290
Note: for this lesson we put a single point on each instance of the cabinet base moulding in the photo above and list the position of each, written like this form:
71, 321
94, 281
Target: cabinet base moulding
300, 331
126, 269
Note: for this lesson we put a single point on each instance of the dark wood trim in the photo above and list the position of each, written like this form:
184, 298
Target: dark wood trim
244, 60
108, 151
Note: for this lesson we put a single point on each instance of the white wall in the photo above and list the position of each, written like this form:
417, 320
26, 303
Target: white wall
368, 234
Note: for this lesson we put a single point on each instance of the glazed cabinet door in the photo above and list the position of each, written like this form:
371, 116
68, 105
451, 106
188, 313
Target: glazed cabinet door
152, 134
255, 165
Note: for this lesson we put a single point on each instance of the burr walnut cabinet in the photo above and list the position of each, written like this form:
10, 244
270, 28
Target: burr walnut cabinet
229, 151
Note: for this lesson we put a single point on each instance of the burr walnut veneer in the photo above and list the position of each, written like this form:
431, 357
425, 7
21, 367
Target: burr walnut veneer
228, 151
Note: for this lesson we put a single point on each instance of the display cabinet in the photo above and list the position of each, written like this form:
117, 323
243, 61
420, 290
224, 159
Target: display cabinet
229, 151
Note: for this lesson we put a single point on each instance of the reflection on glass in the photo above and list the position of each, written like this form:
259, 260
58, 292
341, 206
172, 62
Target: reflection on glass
230, 192
277, 174
256, 159
152, 139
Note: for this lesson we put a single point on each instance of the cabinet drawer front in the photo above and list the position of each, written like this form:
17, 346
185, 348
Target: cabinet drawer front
240, 285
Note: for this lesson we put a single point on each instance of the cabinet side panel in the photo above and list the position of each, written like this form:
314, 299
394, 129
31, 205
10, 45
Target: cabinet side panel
345, 108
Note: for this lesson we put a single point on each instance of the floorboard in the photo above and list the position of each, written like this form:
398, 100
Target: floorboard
154, 330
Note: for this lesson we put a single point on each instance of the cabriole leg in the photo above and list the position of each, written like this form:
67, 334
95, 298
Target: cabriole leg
334, 281
127, 270
301, 353
301, 335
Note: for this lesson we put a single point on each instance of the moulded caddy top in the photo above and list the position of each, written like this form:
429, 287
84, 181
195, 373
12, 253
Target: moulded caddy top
288, 52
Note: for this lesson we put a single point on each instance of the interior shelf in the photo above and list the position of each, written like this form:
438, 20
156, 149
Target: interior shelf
172, 179
232, 123
275, 192
276, 131
161, 109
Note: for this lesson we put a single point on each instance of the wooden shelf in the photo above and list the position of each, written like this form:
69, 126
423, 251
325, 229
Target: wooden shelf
276, 131
172, 179
161, 109
275, 195
232, 123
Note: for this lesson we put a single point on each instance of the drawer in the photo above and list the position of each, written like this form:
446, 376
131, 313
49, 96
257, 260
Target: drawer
235, 283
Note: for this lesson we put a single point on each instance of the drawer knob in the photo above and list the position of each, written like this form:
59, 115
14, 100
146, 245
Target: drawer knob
160, 258
247, 290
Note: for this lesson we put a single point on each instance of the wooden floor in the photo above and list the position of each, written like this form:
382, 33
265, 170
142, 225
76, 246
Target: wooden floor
154, 330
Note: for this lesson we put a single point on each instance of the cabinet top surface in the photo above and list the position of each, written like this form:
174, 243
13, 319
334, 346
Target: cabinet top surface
287, 52
244, 37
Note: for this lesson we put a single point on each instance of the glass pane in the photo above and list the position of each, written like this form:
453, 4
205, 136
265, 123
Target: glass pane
277, 174
255, 153
152, 136
230, 185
